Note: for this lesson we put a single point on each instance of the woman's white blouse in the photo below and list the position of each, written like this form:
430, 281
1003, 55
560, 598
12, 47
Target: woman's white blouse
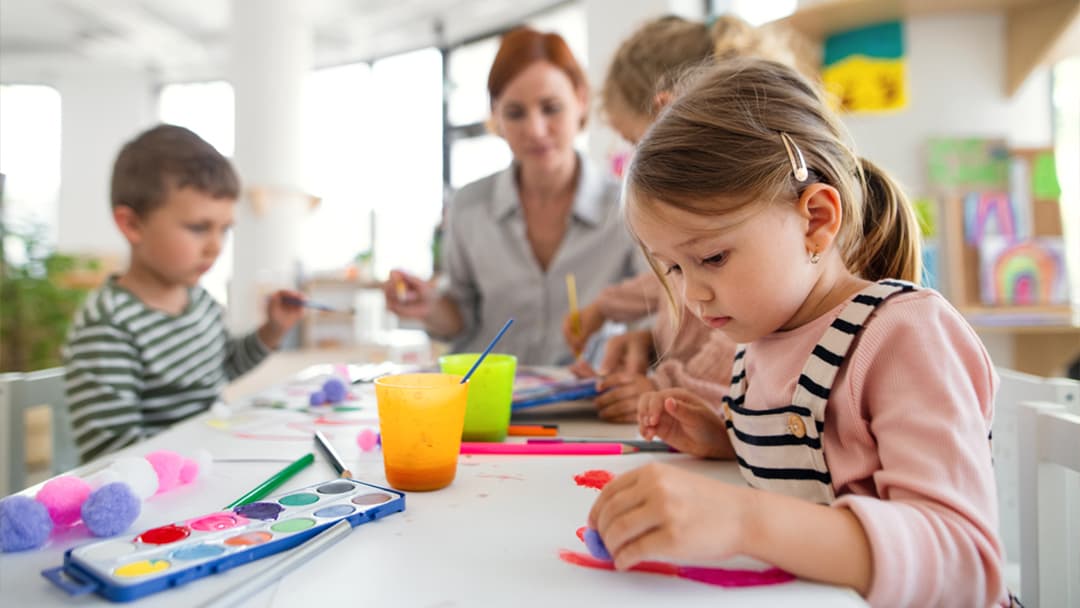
493, 275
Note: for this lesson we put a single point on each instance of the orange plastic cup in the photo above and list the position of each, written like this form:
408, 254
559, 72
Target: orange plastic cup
420, 419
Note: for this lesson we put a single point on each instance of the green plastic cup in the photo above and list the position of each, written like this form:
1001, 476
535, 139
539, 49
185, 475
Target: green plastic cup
491, 389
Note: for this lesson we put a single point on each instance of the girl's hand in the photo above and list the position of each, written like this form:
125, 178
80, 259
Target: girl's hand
629, 352
661, 512
619, 403
407, 296
684, 421
283, 309
590, 319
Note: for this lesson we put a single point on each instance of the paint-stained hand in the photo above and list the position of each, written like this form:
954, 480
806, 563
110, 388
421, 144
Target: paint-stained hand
619, 401
408, 296
684, 421
283, 309
590, 321
662, 512
630, 352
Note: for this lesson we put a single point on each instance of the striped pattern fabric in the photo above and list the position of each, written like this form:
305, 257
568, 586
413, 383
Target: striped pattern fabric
779, 449
133, 371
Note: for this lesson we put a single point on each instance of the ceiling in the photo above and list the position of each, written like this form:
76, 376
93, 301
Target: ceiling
189, 39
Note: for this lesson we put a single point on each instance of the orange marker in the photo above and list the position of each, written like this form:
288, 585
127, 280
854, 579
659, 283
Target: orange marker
531, 430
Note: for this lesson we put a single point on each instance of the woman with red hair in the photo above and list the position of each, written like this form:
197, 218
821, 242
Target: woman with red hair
512, 237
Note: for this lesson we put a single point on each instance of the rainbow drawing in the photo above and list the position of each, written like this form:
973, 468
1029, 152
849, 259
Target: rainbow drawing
989, 213
1023, 273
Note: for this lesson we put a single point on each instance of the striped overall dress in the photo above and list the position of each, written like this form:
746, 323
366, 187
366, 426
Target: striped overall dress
779, 449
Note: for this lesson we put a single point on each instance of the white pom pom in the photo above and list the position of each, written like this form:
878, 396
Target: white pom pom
139, 474
220, 410
103, 477
205, 460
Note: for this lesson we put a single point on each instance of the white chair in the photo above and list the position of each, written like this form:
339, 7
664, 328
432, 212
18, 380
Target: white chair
1017, 387
1049, 505
18, 393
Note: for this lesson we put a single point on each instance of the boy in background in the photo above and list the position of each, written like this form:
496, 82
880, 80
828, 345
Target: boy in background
149, 348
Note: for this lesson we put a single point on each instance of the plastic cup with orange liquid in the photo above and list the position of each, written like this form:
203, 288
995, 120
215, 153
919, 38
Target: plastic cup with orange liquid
420, 420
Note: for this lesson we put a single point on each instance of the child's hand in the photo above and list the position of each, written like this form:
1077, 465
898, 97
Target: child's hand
629, 352
661, 512
684, 421
582, 369
590, 320
407, 296
620, 402
283, 309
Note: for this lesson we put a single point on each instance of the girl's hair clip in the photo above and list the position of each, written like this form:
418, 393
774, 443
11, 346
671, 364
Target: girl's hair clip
798, 169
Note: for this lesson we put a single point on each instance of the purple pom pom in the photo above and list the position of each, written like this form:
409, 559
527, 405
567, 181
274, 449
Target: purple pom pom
317, 398
335, 390
595, 544
111, 509
24, 524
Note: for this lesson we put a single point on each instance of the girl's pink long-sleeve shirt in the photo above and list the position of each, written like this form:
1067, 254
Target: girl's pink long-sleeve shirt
906, 442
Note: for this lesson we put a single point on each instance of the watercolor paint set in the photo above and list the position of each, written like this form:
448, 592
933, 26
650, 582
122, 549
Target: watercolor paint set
126, 568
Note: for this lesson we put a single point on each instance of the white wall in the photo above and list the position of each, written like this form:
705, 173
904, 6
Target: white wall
101, 108
956, 75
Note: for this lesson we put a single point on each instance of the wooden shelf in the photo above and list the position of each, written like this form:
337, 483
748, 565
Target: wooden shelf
1037, 31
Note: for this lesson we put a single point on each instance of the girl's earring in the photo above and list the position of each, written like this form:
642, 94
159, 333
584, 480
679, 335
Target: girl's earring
815, 257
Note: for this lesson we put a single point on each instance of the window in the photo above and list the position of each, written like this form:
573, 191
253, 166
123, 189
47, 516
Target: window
207, 108
30, 155
339, 151
404, 181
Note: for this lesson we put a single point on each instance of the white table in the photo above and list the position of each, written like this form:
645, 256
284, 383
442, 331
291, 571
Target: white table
490, 539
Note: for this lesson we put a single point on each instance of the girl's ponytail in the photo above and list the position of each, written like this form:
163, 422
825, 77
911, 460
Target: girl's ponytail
890, 247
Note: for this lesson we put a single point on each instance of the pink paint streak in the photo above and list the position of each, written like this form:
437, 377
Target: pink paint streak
596, 478
720, 577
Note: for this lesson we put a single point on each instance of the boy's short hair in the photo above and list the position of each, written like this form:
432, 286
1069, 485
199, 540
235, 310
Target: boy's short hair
165, 158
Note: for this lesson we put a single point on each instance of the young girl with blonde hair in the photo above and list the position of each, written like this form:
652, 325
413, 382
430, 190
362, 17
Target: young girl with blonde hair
860, 403
694, 361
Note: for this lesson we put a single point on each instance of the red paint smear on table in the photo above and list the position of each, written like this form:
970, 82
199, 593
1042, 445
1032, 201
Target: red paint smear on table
721, 577
596, 478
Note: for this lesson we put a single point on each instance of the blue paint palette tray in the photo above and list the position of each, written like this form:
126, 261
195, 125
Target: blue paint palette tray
130, 567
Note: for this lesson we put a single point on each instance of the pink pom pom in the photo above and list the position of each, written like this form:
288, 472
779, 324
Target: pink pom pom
167, 465
189, 471
63, 497
367, 439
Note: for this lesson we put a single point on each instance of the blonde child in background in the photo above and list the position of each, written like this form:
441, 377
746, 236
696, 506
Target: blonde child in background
860, 405
149, 348
693, 360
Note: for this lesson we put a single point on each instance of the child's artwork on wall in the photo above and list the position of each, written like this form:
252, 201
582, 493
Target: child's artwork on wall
864, 69
968, 164
990, 214
931, 266
1022, 273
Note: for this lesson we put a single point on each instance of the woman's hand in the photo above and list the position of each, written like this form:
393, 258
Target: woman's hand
619, 402
662, 512
407, 296
684, 421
